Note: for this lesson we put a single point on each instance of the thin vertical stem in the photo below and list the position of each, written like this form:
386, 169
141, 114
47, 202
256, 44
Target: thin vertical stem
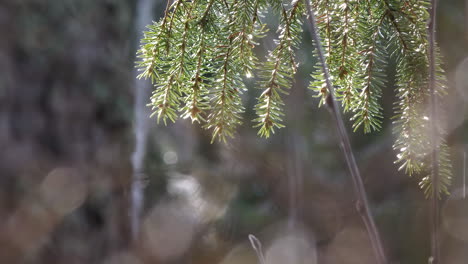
295, 179
257, 246
292, 183
466, 18
362, 202
435, 214
142, 90
464, 174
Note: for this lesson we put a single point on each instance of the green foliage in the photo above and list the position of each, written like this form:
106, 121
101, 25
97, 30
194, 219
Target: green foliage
360, 37
198, 54
278, 71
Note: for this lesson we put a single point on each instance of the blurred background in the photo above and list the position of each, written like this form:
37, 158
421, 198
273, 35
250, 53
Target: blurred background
86, 177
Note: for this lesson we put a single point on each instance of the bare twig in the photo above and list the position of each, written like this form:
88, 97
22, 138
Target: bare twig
435, 233
466, 18
464, 174
257, 246
362, 202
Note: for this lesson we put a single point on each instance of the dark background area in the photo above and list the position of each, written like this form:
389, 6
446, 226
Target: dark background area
66, 140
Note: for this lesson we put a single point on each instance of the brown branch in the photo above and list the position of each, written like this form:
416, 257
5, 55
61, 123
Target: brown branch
362, 202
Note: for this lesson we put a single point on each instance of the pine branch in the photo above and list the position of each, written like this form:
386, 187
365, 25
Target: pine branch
279, 71
366, 107
356, 57
227, 109
227, 106
197, 101
410, 47
347, 64
198, 54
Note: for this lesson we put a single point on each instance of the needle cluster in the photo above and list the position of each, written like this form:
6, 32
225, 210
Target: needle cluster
199, 53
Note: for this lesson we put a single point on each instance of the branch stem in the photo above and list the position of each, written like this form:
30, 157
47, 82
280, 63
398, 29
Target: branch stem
435, 214
362, 201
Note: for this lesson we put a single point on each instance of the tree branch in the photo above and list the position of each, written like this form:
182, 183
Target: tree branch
362, 202
435, 233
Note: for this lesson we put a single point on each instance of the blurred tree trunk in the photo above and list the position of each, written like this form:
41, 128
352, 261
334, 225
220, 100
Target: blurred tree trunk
144, 15
466, 19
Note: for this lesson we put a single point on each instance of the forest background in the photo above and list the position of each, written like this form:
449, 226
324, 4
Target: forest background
67, 86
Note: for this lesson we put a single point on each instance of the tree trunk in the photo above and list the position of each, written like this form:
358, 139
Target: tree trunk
142, 93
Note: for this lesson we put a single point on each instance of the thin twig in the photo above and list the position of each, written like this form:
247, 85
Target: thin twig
464, 174
362, 202
257, 246
435, 233
466, 18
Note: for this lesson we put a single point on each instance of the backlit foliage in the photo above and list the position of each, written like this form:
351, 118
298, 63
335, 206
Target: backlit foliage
199, 53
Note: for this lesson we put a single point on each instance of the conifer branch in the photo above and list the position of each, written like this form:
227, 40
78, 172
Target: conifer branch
197, 55
227, 104
346, 65
196, 102
279, 71
410, 47
220, 118
366, 108
362, 203
207, 10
